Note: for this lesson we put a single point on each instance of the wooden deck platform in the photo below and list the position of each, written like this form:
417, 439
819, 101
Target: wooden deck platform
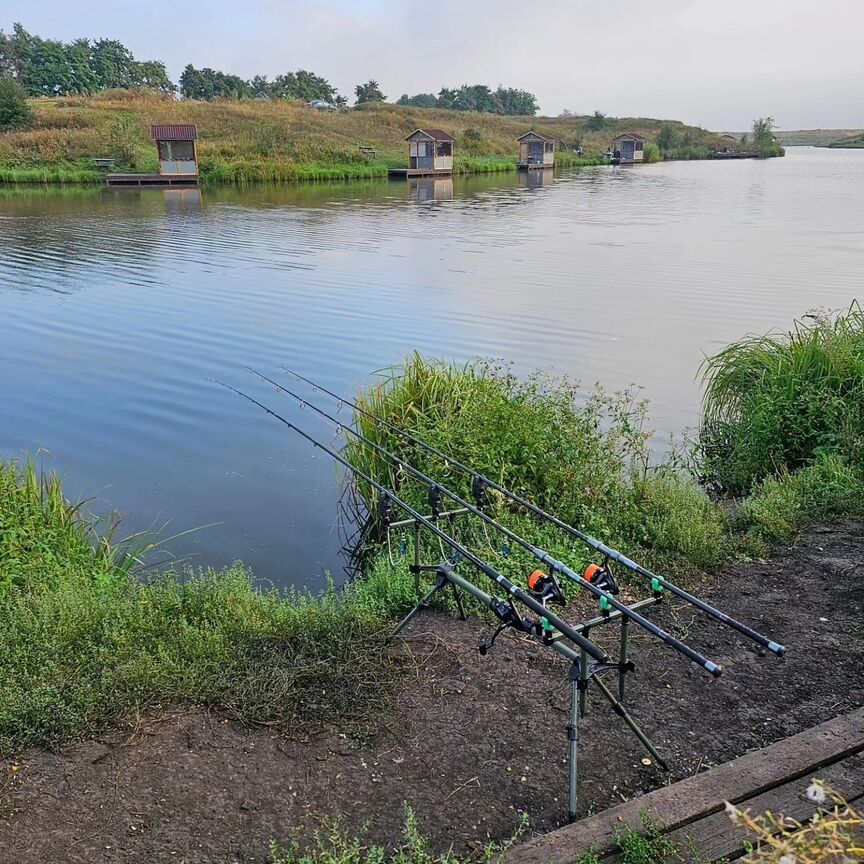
151, 179
420, 172
692, 813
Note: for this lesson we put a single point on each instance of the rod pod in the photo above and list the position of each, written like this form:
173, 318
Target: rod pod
558, 566
487, 483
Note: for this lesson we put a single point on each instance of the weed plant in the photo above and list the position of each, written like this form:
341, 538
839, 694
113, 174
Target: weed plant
332, 844
584, 458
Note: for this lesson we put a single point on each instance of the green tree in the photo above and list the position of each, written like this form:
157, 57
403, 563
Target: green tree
667, 137
421, 100
763, 131
15, 113
208, 84
597, 122
369, 92
114, 65
152, 75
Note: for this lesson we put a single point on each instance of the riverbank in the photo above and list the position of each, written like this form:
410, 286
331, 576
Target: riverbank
468, 742
92, 650
256, 141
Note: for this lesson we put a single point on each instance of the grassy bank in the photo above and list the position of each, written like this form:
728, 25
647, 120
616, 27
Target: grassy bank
253, 141
84, 642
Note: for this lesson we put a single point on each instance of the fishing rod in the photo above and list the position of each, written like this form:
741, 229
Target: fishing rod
480, 482
607, 599
517, 593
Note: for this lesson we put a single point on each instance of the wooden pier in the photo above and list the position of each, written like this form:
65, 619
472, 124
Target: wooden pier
137, 180
420, 172
691, 813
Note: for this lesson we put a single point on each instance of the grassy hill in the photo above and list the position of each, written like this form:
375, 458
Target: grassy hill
275, 141
815, 137
853, 142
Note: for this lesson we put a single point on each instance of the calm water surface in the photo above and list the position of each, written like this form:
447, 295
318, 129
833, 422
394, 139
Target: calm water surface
116, 308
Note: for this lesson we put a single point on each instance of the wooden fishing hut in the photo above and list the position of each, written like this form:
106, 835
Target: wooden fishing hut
177, 149
430, 152
628, 148
536, 151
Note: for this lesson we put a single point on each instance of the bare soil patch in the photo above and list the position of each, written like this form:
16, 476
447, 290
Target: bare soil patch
471, 740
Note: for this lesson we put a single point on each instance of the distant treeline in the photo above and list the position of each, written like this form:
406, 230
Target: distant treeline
210, 84
49, 67
476, 97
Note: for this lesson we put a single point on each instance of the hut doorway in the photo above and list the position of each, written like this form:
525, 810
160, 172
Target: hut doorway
422, 154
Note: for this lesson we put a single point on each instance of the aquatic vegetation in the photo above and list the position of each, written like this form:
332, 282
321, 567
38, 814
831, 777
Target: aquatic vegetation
775, 402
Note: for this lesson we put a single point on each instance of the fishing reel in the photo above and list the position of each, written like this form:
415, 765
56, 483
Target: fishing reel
435, 499
602, 577
545, 588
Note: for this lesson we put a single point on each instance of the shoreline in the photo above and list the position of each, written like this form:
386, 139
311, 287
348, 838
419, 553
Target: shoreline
290, 173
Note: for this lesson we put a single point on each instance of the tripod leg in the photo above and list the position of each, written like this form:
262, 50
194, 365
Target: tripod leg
622, 656
573, 742
459, 606
423, 603
619, 709
583, 674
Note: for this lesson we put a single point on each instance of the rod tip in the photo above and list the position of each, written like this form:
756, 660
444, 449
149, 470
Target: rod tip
714, 669
779, 650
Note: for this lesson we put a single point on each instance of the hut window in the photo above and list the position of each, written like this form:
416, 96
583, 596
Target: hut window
638, 145
164, 151
445, 148
183, 150
548, 147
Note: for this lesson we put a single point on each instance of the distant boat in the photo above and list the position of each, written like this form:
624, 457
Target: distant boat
321, 105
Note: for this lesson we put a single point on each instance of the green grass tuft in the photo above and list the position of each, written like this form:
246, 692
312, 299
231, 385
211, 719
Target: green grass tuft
826, 490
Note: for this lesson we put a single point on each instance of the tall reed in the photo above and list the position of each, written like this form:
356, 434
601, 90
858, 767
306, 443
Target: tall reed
774, 402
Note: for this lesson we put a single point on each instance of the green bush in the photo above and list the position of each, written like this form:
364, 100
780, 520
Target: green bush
15, 111
651, 152
583, 457
772, 403
825, 490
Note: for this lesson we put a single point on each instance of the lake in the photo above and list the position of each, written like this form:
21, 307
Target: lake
118, 306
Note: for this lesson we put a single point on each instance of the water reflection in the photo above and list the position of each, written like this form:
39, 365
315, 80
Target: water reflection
118, 305
424, 189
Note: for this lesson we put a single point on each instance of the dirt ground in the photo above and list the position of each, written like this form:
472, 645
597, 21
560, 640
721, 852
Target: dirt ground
471, 742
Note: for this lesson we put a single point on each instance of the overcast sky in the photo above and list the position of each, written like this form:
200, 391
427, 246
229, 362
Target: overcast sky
716, 63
